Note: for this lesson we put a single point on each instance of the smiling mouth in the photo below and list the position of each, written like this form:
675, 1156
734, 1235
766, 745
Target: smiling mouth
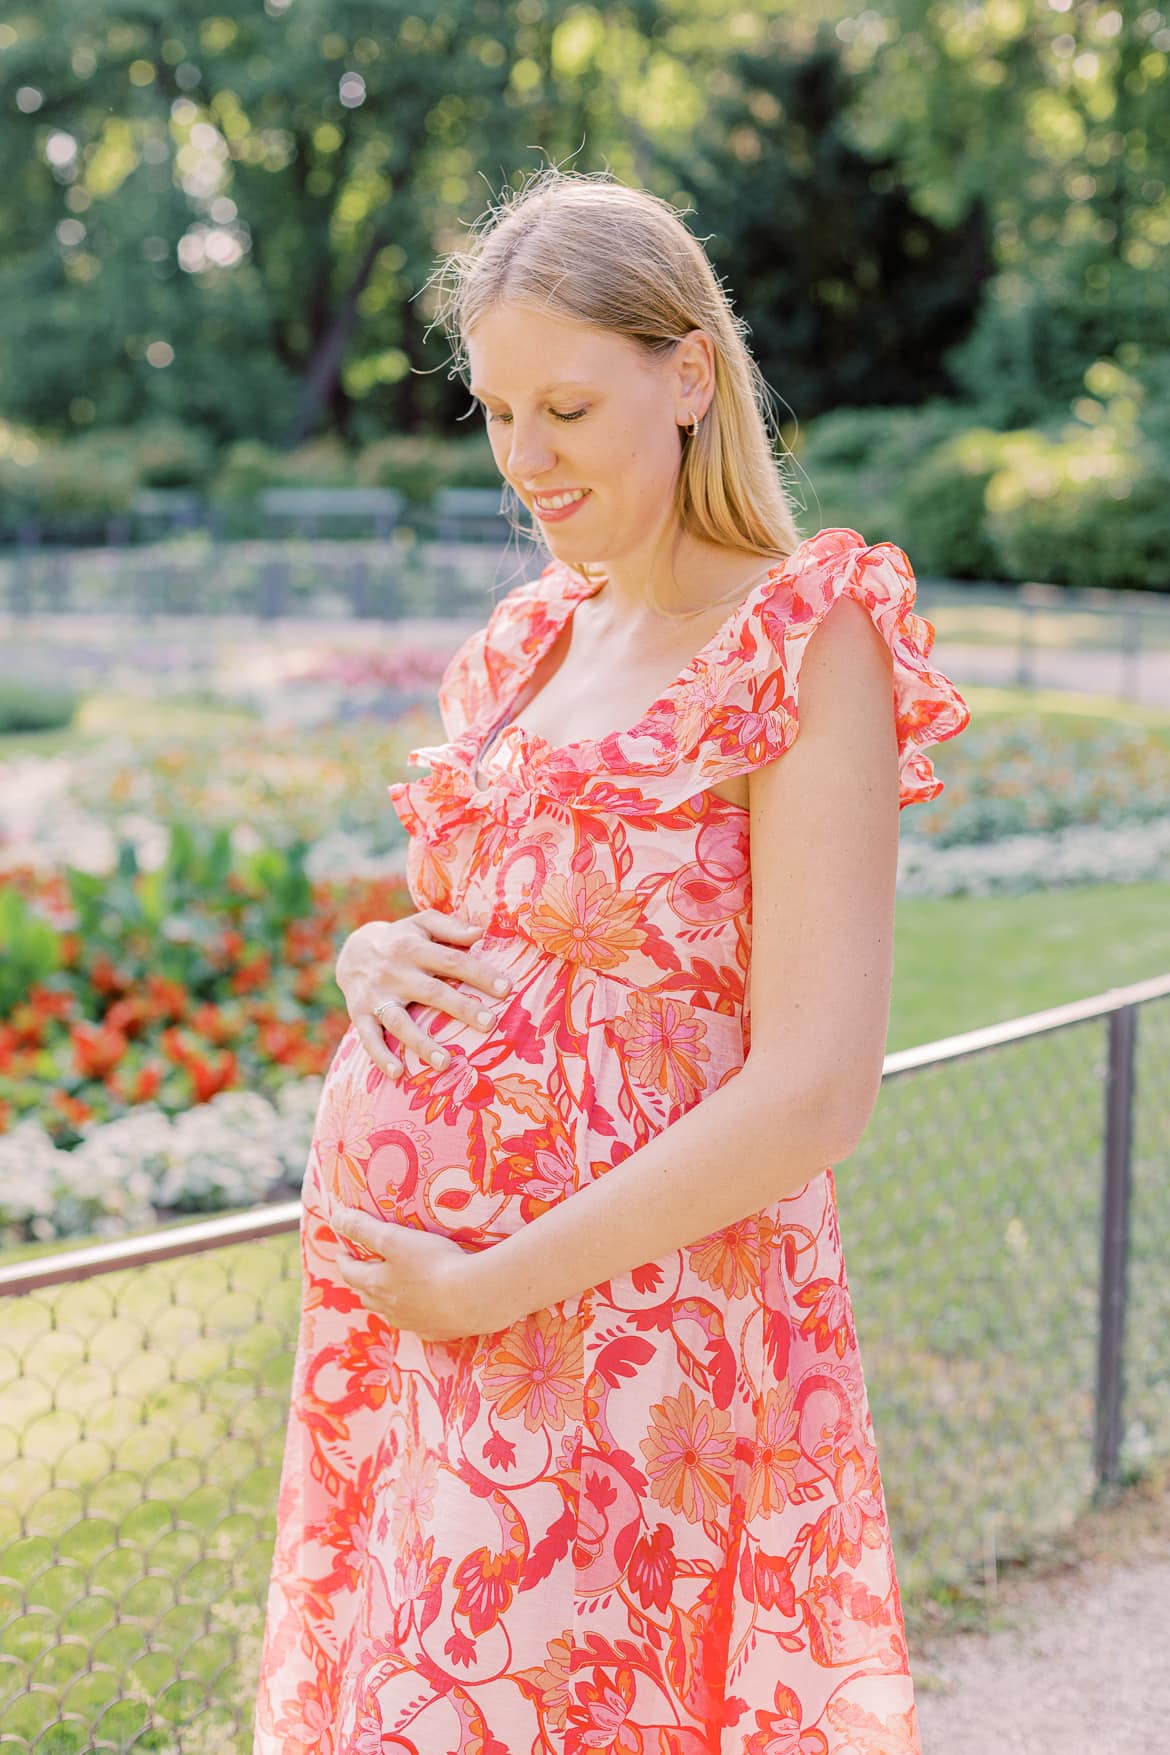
557, 502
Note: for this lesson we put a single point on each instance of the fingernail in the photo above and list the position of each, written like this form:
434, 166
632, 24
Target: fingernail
502, 986
483, 1018
438, 1058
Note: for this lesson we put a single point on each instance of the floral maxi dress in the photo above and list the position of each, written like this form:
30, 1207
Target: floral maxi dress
649, 1519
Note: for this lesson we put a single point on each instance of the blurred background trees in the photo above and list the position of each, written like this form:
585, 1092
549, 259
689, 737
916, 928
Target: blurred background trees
218, 218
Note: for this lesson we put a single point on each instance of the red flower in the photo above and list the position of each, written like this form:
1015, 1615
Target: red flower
652, 1568
105, 977
246, 977
281, 1042
169, 999
459, 1648
72, 1108
209, 1077
150, 1077
173, 1046
51, 1002
486, 1584
128, 1014
773, 1582
210, 1022
97, 1049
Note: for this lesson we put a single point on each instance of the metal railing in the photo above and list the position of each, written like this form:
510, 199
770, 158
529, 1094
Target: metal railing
1005, 1225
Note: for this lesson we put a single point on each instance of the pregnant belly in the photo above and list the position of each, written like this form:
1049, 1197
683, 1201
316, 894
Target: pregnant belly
474, 1149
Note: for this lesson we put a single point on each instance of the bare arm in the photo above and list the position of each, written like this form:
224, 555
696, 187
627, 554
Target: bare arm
824, 847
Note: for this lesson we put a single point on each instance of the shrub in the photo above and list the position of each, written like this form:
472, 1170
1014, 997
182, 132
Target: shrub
1089, 505
171, 455
943, 502
419, 467
856, 460
70, 489
24, 708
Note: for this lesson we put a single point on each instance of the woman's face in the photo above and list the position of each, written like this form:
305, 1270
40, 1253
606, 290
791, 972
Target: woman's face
575, 410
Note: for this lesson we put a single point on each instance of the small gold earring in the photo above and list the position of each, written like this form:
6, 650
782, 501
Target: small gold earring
693, 424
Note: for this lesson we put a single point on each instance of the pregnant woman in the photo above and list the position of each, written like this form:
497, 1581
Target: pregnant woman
580, 1456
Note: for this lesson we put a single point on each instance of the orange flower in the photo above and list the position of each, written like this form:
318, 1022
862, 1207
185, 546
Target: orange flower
537, 1370
414, 1502
586, 919
689, 1453
550, 1681
780, 1732
776, 1453
665, 1043
343, 1139
828, 1321
729, 1259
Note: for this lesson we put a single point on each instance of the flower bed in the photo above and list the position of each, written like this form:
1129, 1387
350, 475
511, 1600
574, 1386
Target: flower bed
146, 1167
213, 972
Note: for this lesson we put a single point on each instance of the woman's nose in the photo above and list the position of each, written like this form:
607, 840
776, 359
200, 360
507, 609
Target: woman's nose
528, 455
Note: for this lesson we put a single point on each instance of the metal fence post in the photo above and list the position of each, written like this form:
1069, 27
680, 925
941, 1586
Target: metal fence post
1119, 1092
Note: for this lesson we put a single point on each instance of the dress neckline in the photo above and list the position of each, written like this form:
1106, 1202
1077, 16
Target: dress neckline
572, 590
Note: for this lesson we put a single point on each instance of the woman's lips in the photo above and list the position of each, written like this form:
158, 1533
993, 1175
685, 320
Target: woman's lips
552, 515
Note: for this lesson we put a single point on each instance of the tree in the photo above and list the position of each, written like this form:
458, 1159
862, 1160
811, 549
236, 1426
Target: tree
853, 296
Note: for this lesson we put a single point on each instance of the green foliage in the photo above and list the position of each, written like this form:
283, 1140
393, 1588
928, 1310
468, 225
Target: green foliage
1090, 508
419, 466
25, 708
1079, 501
857, 461
852, 296
172, 455
1037, 334
942, 500
73, 487
168, 920
30, 948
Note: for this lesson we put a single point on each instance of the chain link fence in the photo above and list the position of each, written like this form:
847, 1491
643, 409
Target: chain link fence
1005, 1222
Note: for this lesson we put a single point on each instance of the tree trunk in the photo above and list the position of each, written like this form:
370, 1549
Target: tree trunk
324, 368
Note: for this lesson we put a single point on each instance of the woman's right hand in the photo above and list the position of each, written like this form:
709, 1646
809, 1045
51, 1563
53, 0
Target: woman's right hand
406, 960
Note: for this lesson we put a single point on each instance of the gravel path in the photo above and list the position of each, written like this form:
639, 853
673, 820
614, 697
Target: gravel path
1078, 1661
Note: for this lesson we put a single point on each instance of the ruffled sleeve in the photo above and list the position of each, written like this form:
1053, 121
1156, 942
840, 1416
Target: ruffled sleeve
485, 665
745, 704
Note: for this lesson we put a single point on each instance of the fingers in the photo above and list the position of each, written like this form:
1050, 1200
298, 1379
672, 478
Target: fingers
372, 1038
449, 928
359, 1227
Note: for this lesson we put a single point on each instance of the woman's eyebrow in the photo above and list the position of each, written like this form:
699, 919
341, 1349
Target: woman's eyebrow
546, 390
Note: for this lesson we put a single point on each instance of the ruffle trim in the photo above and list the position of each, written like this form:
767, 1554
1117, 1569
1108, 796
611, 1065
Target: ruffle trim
733, 709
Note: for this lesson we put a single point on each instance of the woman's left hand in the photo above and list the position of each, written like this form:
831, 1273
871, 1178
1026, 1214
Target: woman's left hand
420, 1280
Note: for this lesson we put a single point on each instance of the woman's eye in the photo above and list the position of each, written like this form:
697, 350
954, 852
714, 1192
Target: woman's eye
575, 414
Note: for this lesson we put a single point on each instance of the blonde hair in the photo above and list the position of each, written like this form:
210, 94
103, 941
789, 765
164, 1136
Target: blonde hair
592, 249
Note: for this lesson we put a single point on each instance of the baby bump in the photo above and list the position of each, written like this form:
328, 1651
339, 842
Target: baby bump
473, 1149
